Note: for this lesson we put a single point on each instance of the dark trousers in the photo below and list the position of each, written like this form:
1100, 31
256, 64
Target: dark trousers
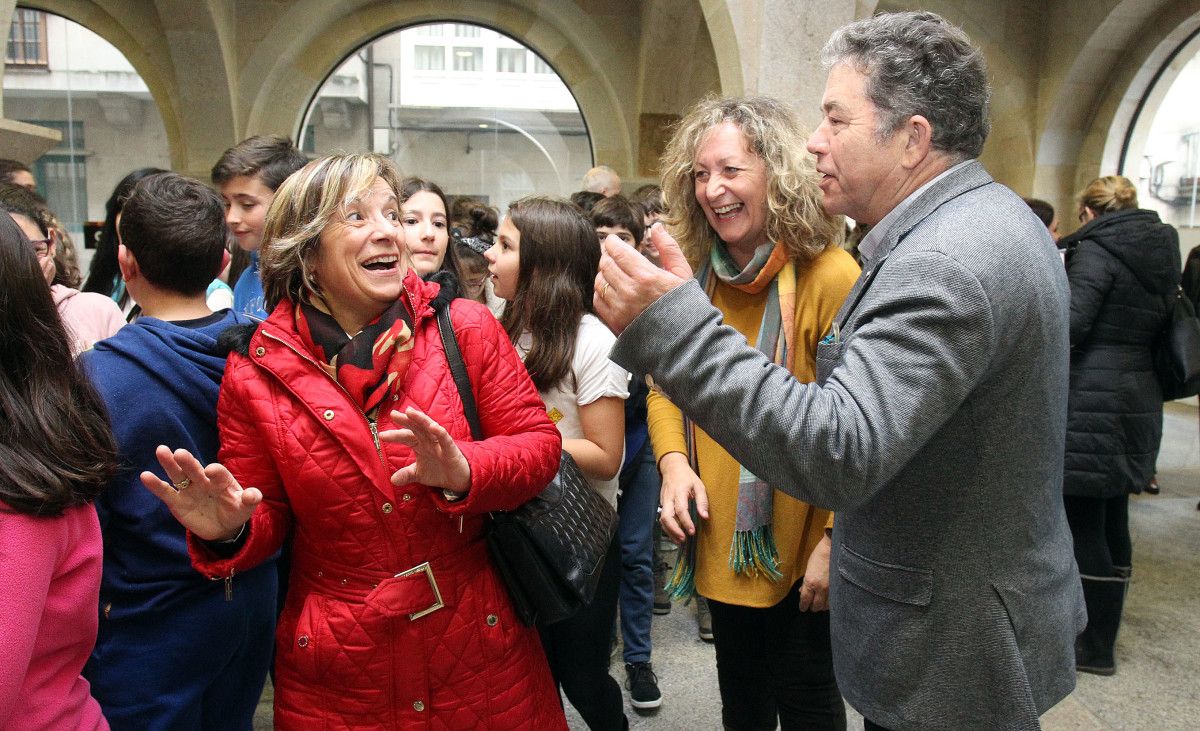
1100, 528
775, 664
578, 651
639, 497
869, 725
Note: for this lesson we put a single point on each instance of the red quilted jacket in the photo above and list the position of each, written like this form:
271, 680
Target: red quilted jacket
355, 648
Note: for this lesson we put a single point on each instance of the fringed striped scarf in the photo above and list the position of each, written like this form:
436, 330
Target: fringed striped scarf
753, 550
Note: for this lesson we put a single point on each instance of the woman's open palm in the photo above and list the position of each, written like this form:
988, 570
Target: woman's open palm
208, 501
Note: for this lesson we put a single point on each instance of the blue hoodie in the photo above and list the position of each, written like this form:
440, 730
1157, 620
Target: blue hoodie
160, 383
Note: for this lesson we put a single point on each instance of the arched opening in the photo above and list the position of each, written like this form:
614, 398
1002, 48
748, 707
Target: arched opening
61, 75
461, 104
1161, 150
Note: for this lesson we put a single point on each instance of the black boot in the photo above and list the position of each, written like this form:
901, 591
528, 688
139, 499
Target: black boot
1105, 599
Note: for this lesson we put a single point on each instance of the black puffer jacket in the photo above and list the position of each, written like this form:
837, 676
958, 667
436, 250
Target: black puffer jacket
1123, 268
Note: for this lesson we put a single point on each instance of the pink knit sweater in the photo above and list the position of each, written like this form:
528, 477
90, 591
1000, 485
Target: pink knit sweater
49, 595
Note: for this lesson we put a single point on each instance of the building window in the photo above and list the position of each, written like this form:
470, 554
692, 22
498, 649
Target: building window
466, 31
540, 66
468, 59
429, 58
510, 60
27, 39
429, 31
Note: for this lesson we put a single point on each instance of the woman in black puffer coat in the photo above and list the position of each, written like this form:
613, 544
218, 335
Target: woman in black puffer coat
1123, 266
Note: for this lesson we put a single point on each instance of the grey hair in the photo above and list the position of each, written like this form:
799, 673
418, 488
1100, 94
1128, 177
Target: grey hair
918, 63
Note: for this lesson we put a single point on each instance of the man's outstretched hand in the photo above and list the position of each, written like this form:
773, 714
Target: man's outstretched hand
628, 283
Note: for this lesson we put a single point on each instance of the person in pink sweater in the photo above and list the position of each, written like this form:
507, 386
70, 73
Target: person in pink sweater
56, 453
89, 317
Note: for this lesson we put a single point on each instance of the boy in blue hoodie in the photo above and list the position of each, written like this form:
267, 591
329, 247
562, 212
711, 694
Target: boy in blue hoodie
174, 650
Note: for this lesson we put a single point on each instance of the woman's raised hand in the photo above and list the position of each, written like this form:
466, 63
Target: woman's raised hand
679, 485
208, 501
438, 460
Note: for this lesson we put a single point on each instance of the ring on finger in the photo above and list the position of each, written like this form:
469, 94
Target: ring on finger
183, 484
604, 290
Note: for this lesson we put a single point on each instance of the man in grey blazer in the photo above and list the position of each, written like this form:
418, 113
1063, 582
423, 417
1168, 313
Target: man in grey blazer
935, 429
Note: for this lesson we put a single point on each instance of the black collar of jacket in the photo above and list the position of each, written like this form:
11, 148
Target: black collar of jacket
236, 338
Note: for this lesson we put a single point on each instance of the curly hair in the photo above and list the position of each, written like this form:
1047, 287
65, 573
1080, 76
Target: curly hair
795, 216
304, 205
918, 63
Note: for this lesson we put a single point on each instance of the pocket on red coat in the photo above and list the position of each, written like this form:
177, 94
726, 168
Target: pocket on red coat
303, 651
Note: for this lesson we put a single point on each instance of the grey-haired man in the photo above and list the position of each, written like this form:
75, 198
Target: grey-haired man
935, 429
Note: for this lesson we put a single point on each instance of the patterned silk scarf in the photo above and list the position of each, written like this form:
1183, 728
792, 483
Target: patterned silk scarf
367, 364
753, 550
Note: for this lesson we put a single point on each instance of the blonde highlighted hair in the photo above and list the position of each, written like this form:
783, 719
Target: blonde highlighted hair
305, 203
795, 217
1110, 193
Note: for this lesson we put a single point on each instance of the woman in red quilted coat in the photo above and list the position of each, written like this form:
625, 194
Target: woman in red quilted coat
340, 418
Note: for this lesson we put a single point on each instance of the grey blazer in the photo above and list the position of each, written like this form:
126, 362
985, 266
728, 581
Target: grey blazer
935, 431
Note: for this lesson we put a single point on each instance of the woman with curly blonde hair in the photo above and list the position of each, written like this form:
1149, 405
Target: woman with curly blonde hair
745, 206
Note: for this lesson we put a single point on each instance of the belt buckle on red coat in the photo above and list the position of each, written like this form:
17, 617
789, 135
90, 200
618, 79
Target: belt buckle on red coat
406, 591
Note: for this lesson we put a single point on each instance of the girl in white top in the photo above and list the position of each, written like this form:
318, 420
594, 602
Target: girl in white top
544, 264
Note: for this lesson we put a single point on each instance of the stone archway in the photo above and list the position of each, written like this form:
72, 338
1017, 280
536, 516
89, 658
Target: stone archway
287, 67
1089, 107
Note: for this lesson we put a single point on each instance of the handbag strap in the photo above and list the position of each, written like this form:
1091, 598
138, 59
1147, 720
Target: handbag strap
458, 369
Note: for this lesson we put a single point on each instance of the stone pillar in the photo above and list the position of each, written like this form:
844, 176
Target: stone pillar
780, 43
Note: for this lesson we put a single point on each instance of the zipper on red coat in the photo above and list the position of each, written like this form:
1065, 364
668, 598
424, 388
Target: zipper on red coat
370, 424
228, 584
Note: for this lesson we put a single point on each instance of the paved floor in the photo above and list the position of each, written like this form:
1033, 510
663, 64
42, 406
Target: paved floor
1157, 685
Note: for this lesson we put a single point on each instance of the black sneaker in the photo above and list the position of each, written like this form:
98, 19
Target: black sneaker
642, 684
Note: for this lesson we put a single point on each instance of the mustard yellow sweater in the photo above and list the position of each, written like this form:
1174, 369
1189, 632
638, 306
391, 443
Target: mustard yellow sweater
820, 289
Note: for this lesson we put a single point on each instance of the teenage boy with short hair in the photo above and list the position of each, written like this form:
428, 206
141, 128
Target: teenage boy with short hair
637, 498
248, 175
174, 650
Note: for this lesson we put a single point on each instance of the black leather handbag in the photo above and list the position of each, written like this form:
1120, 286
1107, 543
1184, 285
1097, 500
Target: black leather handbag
1177, 353
549, 551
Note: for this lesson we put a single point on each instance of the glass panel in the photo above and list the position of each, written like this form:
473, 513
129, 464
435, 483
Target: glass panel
1163, 158
466, 31
90, 93
479, 125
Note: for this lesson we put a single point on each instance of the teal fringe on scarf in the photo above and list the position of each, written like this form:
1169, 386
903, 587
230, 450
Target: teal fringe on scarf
754, 552
682, 586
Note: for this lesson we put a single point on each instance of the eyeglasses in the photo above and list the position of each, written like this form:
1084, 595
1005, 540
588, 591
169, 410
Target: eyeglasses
42, 246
